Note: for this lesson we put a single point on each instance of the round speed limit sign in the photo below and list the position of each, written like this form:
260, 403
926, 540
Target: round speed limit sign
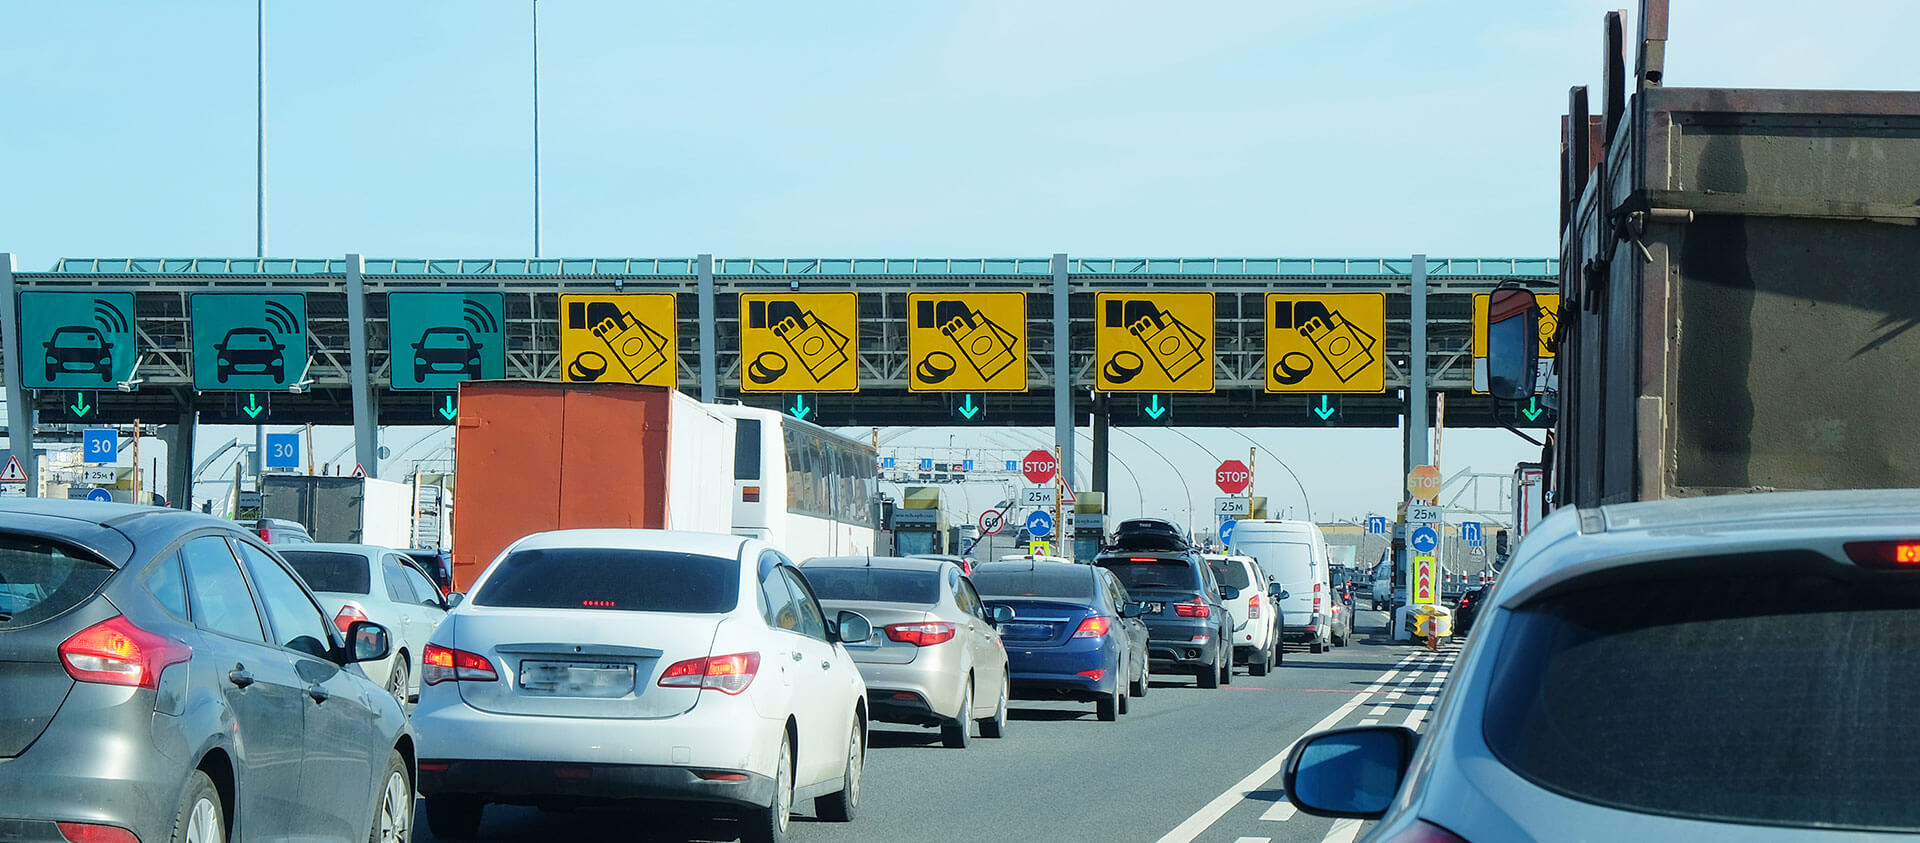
992, 522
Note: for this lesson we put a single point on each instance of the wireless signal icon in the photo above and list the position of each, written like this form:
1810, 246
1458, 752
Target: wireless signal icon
281, 318
110, 319
481, 319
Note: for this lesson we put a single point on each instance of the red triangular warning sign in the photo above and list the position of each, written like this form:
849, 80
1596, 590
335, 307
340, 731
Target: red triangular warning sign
359, 470
13, 473
1066, 496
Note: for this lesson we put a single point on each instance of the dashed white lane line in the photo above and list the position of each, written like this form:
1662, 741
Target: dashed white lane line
1280, 812
1213, 811
1343, 831
1254, 840
1371, 721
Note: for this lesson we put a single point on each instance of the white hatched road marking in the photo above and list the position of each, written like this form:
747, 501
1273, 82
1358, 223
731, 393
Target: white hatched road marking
1254, 840
1343, 831
1280, 812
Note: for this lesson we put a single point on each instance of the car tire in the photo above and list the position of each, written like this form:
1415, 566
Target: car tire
201, 816
1108, 707
1258, 663
958, 732
1139, 686
840, 807
1208, 676
393, 810
1279, 652
397, 679
996, 726
1122, 701
1317, 647
1226, 662
769, 824
452, 817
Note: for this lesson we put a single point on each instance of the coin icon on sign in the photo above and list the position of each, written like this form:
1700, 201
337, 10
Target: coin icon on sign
767, 368
1124, 366
937, 367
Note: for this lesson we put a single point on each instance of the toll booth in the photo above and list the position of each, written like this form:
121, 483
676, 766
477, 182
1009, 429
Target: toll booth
919, 524
1089, 526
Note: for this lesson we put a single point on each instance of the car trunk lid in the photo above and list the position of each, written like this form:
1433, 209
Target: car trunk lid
581, 662
881, 649
1040, 623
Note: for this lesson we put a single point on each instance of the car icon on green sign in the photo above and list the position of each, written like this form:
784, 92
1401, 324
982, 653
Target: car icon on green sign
249, 351
79, 349
444, 350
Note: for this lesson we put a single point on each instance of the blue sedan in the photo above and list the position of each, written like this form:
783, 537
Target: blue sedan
1074, 633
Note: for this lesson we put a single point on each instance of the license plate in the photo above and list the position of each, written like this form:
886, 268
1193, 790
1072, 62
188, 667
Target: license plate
576, 679
1027, 630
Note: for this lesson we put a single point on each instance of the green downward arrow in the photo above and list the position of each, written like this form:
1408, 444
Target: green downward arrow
448, 412
967, 409
799, 410
1154, 410
1323, 411
80, 406
253, 407
1533, 410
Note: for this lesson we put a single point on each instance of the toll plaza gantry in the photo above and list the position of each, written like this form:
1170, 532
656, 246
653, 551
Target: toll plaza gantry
1242, 342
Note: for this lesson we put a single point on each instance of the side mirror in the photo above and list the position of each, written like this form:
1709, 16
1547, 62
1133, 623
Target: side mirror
1228, 592
1351, 773
1513, 344
852, 628
367, 642
456, 599
1132, 609
1000, 614
1276, 592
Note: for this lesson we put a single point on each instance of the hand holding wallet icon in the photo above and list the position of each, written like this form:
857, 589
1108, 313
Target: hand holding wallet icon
1171, 344
1346, 348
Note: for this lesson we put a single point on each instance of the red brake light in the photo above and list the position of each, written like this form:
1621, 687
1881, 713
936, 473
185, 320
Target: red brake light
729, 674
444, 664
1195, 608
1253, 607
94, 833
1142, 559
920, 634
346, 616
1894, 554
1093, 627
115, 652
597, 604
266, 535
1095, 675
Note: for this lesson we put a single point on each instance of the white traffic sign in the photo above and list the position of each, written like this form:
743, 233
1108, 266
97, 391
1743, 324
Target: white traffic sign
1037, 497
97, 476
1421, 513
992, 522
13, 473
1235, 507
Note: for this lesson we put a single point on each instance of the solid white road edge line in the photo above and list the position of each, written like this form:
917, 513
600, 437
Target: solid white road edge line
1211, 813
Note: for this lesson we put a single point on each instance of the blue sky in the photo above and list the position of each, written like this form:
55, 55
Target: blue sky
1365, 127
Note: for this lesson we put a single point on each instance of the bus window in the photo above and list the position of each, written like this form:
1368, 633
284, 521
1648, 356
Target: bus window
746, 449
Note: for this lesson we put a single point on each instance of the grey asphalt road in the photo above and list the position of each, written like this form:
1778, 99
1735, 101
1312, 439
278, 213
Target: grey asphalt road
1062, 775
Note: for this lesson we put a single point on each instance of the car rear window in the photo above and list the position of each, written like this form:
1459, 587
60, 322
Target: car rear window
1230, 572
1060, 583
1152, 573
616, 579
41, 580
878, 584
332, 571
1756, 695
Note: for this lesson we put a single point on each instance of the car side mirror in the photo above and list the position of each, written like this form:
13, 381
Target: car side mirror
1349, 773
851, 628
367, 642
1277, 593
1132, 609
1000, 614
1513, 344
1228, 592
456, 599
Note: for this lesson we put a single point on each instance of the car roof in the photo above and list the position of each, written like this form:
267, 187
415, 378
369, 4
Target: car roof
112, 530
1570, 543
338, 547
891, 563
1036, 565
674, 541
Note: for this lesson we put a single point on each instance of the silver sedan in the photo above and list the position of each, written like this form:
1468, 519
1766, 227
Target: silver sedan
935, 658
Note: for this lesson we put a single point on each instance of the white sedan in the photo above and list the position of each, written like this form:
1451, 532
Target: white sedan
602, 666
364, 582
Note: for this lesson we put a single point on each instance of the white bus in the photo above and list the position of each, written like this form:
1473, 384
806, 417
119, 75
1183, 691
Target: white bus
805, 490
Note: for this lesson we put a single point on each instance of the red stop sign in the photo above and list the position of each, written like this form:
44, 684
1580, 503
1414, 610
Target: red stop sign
1039, 466
1233, 477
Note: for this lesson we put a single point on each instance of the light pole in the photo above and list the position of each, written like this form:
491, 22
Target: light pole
536, 127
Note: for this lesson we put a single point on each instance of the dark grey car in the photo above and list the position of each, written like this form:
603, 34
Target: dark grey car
167, 676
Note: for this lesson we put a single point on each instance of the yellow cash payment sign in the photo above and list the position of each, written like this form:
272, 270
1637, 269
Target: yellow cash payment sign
619, 338
800, 342
967, 342
1152, 341
1549, 304
1326, 342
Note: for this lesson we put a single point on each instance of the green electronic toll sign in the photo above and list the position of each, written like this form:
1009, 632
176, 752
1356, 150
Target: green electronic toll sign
76, 340
439, 339
244, 342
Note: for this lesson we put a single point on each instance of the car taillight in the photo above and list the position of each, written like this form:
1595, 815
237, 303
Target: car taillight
266, 535
1904, 554
1422, 831
1195, 608
1253, 607
444, 664
729, 674
95, 833
115, 652
346, 617
1093, 627
1316, 597
920, 634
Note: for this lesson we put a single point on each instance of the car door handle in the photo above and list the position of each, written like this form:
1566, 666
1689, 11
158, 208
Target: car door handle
318, 693
826, 665
797, 655
240, 677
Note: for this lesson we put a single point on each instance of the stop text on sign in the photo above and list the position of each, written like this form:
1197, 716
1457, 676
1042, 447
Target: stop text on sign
1039, 466
1233, 477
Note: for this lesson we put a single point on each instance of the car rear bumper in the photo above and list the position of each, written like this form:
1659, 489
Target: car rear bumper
99, 761
1182, 643
1308, 632
537, 781
1059, 671
936, 683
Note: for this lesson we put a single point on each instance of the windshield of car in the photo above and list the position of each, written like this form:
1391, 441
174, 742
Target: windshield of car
446, 339
878, 584
331, 570
1743, 695
249, 340
612, 578
40, 579
1152, 572
76, 339
1229, 572
1061, 582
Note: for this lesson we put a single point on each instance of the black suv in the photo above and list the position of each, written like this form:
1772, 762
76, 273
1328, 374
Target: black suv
1151, 534
1188, 628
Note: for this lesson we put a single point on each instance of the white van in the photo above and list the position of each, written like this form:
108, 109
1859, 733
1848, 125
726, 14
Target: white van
1294, 554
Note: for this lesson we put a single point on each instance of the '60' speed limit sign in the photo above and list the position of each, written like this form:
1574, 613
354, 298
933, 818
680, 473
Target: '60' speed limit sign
992, 522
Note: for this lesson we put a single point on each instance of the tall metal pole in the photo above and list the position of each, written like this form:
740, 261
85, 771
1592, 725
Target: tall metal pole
1062, 369
259, 182
1417, 368
536, 128
19, 415
709, 318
